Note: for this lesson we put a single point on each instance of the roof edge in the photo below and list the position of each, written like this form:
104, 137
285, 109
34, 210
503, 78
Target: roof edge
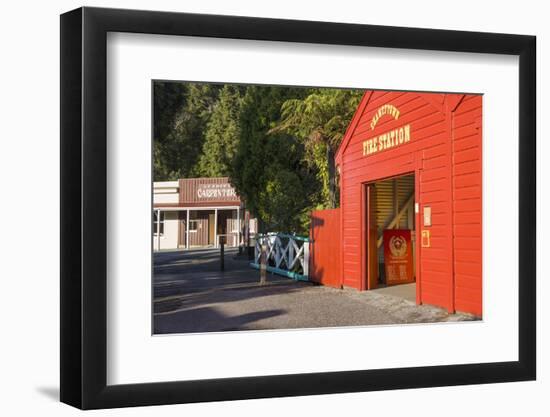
353, 124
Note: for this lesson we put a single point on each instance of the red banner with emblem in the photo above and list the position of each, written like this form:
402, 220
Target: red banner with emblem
398, 256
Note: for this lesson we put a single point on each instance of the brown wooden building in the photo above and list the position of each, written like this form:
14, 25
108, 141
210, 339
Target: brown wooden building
197, 212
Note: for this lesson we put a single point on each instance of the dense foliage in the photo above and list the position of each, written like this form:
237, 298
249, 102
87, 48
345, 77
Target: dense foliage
181, 113
320, 121
276, 144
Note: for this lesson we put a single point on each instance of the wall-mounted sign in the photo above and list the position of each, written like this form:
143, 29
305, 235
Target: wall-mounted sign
425, 242
398, 256
215, 191
390, 139
427, 216
207, 191
387, 140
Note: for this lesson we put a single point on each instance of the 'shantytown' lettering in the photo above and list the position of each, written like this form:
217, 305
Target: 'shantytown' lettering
382, 110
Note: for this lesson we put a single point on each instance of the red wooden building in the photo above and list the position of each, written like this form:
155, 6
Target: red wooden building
408, 162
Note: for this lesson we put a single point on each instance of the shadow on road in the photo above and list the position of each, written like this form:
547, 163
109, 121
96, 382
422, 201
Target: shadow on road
192, 294
210, 319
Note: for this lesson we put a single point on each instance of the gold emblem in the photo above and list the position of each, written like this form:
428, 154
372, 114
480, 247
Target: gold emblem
398, 246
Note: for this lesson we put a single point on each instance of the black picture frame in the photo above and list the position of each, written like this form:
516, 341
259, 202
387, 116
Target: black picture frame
84, 207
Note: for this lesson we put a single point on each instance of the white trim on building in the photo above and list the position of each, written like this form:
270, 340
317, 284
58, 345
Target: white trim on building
211, 220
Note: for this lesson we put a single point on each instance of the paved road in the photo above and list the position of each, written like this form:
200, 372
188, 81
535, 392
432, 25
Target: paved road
191, 295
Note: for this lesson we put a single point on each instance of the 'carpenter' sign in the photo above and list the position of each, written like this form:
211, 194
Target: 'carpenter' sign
215, 192
207, 190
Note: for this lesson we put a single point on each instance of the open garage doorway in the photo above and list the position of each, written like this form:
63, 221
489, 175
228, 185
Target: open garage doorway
390, 235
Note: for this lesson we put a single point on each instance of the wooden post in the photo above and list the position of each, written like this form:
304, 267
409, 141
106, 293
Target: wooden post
239, 230
263, 264
158, 230
305, 265
215, 227
247, 225
222, 265
187, 230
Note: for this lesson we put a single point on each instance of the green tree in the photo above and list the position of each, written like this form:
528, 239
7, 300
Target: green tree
320, 120
288, 189
181, 113
268, 170
168, 101
222, 134
275, 143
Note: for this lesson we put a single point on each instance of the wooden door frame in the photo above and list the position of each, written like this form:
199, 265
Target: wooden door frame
365, 238
212, 228
418, 231
365, 221
363, 285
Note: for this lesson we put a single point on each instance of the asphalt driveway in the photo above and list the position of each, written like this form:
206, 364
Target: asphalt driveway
192, 295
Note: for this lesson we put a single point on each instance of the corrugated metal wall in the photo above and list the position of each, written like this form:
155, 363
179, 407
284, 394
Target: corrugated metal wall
391, 196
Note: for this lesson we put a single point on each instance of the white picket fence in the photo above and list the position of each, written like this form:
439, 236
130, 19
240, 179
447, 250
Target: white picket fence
287, 255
